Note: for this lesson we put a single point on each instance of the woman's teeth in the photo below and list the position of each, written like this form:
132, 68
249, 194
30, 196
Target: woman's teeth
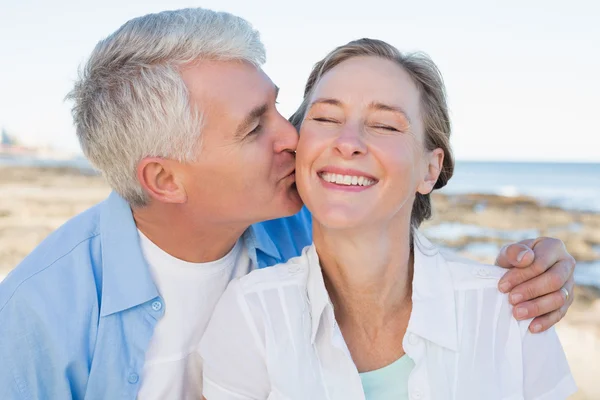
347, 180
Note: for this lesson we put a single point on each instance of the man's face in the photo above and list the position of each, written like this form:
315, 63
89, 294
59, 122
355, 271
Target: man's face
245, 170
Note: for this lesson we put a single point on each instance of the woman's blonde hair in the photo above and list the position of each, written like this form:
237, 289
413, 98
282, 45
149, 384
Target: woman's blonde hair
430, 84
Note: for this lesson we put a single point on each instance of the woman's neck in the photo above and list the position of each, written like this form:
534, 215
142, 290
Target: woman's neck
367, 271
368, 275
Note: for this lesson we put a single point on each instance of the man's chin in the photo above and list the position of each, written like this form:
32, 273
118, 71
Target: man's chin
291, 203
295, 198
285, 203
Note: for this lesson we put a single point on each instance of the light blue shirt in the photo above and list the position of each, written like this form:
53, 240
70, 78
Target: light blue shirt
389, 382
77, 315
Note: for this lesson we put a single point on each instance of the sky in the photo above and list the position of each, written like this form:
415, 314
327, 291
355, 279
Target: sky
523, 77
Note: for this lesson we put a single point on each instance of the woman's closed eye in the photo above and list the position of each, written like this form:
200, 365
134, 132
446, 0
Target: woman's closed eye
325, 119
386, 127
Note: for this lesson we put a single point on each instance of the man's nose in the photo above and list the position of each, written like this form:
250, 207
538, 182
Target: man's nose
287, 137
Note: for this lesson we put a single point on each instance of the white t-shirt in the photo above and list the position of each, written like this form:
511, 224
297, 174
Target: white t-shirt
173, 367
273, 336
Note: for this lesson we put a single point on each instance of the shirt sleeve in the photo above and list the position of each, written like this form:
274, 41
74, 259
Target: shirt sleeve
546, 373
11, 386
232, 350
24, 369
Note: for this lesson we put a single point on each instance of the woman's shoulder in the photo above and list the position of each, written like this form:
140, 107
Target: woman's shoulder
463, 273
532, 363
476, 291
470, 274
292, 272
251, 302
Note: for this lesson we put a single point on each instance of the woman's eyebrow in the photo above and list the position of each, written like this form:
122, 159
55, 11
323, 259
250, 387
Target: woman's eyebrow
386, 107
325, 100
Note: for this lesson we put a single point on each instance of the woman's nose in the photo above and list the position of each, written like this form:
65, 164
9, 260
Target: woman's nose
349, 142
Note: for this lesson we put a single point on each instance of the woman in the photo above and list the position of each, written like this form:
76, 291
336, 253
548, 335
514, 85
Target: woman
372, 310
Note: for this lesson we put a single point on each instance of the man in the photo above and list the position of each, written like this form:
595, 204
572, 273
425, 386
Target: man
175, 111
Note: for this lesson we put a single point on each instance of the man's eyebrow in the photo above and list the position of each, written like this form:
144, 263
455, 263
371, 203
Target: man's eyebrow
252, 116
386, 107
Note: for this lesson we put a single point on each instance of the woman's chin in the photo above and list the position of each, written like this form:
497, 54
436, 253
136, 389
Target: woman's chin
341, 219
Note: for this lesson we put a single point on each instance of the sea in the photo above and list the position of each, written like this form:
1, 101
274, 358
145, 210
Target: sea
567, 185
572, 186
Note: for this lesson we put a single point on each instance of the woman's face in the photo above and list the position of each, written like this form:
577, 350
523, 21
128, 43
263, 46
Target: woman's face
361, 157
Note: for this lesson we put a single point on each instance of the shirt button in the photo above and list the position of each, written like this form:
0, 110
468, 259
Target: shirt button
133, 378
417, 394
413, 339
156, 306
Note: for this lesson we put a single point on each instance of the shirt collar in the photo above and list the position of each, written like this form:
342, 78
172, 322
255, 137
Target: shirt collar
433, 314
126, 280
318, 297
257, 238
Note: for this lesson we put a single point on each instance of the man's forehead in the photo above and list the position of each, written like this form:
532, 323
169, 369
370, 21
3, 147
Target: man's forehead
225, 79
228, 93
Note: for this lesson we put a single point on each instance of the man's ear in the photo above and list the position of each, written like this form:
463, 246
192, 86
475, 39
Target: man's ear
434, 164
159, 178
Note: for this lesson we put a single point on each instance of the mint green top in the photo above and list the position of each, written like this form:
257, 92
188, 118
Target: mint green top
389, 382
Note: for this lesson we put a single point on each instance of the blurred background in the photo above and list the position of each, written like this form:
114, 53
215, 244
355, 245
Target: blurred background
524, 92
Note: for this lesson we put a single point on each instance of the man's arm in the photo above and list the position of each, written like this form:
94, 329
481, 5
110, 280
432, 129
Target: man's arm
540, 280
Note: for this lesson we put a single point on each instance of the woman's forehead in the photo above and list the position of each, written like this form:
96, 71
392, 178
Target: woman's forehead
368, 80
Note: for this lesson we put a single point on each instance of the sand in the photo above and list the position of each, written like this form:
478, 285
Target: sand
35, 201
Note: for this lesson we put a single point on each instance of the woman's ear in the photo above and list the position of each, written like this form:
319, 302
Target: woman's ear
434, 163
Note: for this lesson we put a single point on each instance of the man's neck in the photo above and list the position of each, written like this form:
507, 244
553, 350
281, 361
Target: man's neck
174, 233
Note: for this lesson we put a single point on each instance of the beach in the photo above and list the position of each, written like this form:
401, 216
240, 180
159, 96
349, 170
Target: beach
36, 200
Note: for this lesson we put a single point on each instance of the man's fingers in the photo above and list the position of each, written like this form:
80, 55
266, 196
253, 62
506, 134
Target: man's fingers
554, 279
570, 286
535, 285
517, 276
515, 255
540, 324
545, 304
548, 251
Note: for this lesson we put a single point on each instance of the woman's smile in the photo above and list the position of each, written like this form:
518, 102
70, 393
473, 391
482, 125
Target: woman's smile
349, 180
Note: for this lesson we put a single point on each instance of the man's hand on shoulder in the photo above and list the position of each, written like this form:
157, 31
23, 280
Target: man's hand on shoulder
540, 280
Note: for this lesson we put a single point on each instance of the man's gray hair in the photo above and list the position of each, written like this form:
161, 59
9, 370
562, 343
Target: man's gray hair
131, 101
